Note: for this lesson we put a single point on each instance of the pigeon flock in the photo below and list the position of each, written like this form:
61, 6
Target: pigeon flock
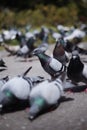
64, 66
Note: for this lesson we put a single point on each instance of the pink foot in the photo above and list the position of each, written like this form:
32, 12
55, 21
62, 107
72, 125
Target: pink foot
69, 91
27, 109
85, 90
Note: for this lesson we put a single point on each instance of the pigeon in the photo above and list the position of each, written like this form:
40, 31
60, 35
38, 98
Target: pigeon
44, 31
30, 42
52, 66
12, 50
55, 35
27, 48
21, 39
23, 51
71, 46
17, 88
44, 96
44, 44
77, 33
59, 52
76, 70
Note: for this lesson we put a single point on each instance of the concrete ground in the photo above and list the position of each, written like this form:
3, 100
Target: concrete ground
70, 115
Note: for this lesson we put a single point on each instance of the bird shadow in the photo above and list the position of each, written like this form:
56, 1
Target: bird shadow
61, 100
65, 99
77, 89
23, 104
85, 61
27, 60
18, 106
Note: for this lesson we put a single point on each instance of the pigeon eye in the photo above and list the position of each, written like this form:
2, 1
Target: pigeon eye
74, 57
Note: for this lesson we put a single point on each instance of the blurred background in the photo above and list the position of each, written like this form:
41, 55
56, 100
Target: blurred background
38, 12
21, 16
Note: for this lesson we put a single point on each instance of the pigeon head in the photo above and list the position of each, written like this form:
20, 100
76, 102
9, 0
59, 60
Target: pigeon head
37, 51
37, 106
60, 41
75, 54
33, 111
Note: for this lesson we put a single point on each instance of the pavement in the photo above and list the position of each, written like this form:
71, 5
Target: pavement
69, 115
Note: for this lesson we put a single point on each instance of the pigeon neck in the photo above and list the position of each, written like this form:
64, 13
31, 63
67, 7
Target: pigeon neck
43, 56
37, 106
40, 101
8, 94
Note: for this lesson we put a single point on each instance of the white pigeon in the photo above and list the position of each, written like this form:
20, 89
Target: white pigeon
17, 88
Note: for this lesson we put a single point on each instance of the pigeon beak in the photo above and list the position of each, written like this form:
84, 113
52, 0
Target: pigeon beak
33, 53
31, 117
1, 107
33, 112
36, 51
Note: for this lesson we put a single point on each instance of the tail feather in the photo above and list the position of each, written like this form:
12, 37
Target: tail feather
25, 73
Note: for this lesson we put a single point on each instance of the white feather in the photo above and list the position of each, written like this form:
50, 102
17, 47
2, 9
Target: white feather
24, 49
50, 91
55, 64
18, 86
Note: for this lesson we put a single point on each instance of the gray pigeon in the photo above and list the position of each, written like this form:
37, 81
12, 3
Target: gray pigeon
52, 66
